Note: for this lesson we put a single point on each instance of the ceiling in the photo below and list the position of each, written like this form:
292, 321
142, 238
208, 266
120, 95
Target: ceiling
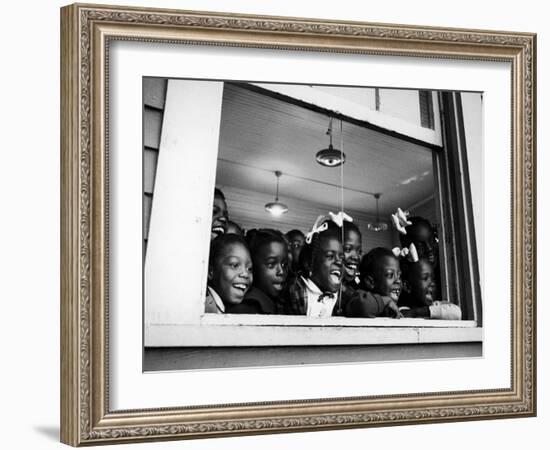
260, 134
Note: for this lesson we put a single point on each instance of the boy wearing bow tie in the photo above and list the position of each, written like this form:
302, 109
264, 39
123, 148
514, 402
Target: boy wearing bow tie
380, 286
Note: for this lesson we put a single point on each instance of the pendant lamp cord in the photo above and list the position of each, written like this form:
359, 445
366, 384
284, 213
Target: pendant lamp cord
341, 199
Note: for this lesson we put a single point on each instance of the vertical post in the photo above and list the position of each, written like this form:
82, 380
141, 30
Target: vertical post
465, 247
179, 234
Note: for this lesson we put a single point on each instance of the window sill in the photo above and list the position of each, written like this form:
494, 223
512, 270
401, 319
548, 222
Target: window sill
230, 330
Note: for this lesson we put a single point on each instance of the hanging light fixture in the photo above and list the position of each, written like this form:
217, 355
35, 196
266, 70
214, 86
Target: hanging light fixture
276, 208
330, 157
378, 225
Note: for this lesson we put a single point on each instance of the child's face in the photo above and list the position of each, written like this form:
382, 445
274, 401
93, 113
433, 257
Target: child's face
270, 268
352, 254
423, 238
231, 273
326, 265
421, 283
386, 279
296, 243
219, 217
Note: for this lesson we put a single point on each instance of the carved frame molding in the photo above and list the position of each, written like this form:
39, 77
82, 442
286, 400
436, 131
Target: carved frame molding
86, 33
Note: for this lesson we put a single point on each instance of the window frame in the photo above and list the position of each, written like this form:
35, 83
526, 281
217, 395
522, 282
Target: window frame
206, 330
460, 277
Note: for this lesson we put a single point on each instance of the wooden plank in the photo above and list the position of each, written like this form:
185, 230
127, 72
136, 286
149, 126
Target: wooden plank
152, 124
183, 202
291, 320
154, 92
237, 335
150, 158
390, 119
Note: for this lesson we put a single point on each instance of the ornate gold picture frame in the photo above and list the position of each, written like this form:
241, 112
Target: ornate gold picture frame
87, 33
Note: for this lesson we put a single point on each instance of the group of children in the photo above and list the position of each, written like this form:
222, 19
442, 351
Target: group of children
323, 273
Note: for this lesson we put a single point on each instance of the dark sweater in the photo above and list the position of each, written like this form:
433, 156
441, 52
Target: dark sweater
367, 304
255, 302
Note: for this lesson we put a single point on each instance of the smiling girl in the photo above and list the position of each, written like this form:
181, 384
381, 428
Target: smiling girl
229, 273
219, 215
352, 254
270, 267
352, 257
316, 291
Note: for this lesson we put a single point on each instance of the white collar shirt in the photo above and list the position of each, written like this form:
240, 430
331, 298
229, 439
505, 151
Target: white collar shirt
319, 304
217, 299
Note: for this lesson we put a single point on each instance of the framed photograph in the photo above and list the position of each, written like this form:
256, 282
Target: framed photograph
258, 131
275, 224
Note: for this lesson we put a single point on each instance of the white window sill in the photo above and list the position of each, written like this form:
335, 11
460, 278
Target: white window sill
230, 330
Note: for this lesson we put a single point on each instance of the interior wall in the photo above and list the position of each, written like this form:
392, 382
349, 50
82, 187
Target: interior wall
247, 209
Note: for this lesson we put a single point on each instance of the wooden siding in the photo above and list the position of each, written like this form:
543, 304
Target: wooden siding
147, 202
426, 109
154, 92
150, 157
154, 96
152, 124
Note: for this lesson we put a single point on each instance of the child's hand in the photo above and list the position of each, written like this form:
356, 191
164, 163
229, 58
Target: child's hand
391, 310
445, 311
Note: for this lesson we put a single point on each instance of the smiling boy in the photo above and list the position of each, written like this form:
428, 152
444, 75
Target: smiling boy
381, 273
419, 294
380, 286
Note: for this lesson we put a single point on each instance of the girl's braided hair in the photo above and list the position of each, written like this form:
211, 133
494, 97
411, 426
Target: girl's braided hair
310, 251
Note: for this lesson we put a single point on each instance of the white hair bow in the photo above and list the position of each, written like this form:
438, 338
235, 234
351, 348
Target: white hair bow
400, 221
321, 224
410, 253
339, 218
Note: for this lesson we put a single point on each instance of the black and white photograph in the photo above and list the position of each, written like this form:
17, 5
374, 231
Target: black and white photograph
292, 224
267, 225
